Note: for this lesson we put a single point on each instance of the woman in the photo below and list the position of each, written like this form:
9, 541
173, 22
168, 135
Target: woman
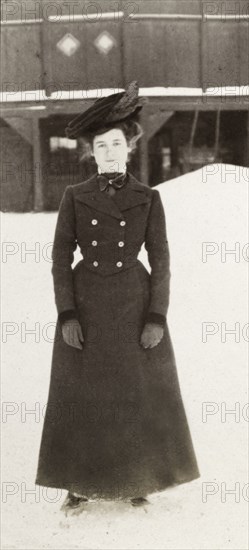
115, 425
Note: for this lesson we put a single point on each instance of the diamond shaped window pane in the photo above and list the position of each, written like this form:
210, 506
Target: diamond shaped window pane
104, 42
68, 44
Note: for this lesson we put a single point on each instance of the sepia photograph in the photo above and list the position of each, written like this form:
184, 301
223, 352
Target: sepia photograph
124, 172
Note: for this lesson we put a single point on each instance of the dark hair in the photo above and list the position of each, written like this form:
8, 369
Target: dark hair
131, 129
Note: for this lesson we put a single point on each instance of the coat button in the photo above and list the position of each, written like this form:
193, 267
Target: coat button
121, 243
94, 243
95, 263
119, 264
94, 222
122, 222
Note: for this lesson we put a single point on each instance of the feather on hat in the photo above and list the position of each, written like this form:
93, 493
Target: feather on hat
106, 111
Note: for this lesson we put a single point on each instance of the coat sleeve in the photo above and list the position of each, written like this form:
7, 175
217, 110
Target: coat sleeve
64, 245
156, 244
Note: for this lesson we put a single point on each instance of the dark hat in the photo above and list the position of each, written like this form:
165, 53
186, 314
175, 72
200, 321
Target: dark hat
107, 111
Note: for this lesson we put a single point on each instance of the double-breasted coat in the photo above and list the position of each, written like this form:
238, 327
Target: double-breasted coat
115, 424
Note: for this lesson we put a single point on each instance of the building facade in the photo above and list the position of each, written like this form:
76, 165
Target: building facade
191, 61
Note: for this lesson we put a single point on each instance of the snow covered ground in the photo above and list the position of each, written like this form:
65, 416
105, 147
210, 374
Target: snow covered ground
156, 91
207, 215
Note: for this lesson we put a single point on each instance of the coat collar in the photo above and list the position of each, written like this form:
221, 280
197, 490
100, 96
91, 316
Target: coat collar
132, 194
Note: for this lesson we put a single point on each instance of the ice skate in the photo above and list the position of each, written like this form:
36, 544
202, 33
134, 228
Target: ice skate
139, 501
73, 501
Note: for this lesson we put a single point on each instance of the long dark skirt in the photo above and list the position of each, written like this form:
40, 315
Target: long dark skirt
115, 425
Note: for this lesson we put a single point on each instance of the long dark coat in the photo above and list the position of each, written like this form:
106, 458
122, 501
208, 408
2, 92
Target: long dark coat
115, 424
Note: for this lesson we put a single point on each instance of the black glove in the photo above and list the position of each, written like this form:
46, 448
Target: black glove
151, 336
72, 333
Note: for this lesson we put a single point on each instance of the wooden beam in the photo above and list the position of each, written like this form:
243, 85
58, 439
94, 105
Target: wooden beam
157, 120
37, 167
47, 73
22, 126
144, 150
203, 102
203, 52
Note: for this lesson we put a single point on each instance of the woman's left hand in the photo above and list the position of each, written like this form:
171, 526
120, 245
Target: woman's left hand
151, 336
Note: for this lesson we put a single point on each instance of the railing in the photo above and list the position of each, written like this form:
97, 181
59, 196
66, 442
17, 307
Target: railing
157, 49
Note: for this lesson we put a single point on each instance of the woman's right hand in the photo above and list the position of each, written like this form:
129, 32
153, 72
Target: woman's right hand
72, 333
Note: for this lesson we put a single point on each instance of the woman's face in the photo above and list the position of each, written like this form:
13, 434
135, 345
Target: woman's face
110, 150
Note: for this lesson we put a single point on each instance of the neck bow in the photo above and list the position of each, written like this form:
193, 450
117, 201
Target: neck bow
111, 179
